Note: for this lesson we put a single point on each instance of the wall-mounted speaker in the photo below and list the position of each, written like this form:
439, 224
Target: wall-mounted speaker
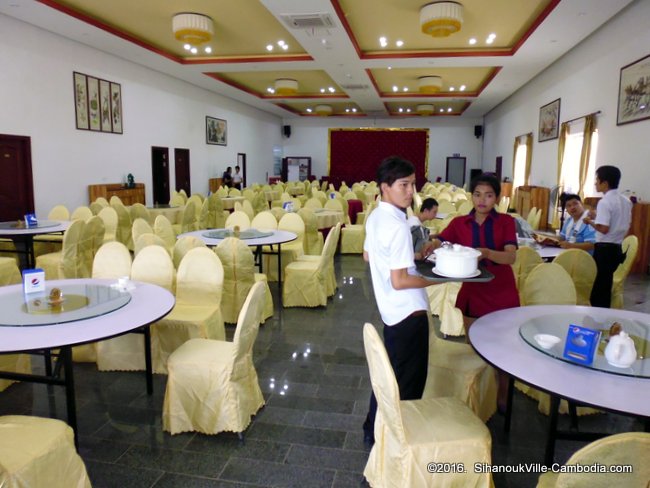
478, 131
286, 130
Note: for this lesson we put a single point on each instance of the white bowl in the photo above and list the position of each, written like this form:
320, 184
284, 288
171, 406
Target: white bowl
546, 341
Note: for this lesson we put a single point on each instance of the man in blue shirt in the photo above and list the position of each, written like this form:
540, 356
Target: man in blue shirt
575, 233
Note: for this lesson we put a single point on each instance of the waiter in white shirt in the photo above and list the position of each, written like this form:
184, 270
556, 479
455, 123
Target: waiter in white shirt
611, 221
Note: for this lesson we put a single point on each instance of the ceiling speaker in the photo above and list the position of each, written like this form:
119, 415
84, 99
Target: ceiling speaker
286, 130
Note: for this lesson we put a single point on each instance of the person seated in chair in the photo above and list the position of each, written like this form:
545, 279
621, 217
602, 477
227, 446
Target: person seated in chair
575, 234
422, 245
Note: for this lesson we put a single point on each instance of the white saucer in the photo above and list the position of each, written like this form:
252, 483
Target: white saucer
472, 275
618, 365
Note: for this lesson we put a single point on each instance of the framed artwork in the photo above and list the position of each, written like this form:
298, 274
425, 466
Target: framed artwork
93, 103
105, 105
634, 92
80, 100
116, 107
549, 121
216, 131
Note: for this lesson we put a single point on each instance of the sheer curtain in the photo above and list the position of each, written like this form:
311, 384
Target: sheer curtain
523, 155
579, 144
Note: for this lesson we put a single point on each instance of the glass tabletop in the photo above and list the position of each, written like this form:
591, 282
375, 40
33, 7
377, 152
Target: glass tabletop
74, 303
243, 234
20, 224
556, 325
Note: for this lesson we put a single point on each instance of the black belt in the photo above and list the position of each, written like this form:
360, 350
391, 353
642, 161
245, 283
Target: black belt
418, 313
607, 244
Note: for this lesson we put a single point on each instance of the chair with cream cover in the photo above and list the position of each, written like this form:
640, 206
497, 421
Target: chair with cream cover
548, 284
260, 203
446, 207
410, 433
197, 312
183, 194
442, 302
248, 209
614, 451
81, 213
37, 452
198, 204
532, 215
96, 207
278, 212
291, 251
240, 219
313, 240
211, 215
48, 243
502, 206
148, 239
248, 194
183, 246
582, 270
330, 280
630, 248
91, 240
109, 217
59, 212
115, 199
140, 226
222, 191
139, 211
465, 207
68, 262
188, 220
264, 221
163, 228
123, 231
212, 385
239, 277
352, 238
176, 200
526, 259
234, 192
313, 203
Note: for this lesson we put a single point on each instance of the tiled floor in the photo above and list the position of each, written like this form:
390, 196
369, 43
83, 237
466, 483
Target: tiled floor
314, 376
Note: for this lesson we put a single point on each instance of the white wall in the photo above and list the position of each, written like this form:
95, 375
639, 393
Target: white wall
36, 97
447, 135
586, 80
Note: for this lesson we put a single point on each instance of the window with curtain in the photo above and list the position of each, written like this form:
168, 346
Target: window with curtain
522, 158
578, 163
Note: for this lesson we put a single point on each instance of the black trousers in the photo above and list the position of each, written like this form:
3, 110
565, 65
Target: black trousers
407, 345
607, 256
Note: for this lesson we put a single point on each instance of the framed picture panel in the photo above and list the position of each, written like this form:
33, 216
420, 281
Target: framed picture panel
81, 100
549, 121
634, 92
216, 131
97, 104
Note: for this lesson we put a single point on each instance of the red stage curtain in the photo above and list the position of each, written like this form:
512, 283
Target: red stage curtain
355, 154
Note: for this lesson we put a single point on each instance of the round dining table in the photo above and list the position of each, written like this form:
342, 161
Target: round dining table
23, 236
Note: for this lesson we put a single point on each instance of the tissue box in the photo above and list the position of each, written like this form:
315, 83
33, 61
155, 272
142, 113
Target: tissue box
30, 220
581, 344
33, 280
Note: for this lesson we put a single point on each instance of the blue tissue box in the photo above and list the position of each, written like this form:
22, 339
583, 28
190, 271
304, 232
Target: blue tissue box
581, 344
30, 220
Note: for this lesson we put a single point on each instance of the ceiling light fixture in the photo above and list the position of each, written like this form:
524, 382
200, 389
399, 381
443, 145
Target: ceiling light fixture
193, 29
323, 110
309, 110
424, 109
472, 41
399, 43
269, 47
441, 19
462, 87
429, 84
286, 86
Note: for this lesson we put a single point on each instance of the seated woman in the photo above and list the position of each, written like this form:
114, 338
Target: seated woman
494, 235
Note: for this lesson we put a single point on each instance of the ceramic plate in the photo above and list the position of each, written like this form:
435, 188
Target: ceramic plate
473, 275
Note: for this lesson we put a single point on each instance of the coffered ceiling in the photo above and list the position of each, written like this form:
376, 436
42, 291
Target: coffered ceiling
360, 57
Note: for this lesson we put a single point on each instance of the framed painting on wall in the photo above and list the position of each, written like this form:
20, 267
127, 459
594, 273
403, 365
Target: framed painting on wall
93, 104
105, 105
116, 107
549, 121
634, 92
80, 100
216, 131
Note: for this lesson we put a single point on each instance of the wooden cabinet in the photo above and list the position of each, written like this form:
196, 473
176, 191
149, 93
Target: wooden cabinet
214, 184
527, 197
640, 227
129, 196
506, 189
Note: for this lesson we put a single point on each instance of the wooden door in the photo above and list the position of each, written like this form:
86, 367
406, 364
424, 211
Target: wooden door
182, 169
498, 167
16, 183
160, 174
241, 162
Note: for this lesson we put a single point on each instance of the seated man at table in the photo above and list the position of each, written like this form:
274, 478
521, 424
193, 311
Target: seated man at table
422, 245
575, 234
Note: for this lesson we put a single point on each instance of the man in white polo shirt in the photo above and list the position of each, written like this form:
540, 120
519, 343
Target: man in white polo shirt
399, 290
611, 221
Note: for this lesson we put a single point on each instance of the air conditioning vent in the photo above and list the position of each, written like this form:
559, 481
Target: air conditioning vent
358, 86
308, 21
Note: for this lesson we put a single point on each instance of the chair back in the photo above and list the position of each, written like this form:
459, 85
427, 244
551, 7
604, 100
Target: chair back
293, 222
465, 207
548, 284
96, 207
264, 221
248, 209
238, 218
446, 206
320, 195
176, 200
139, 211
248, 194
71, 265
313, 203
313, 240
102, 201
334, 204
153, 265
527, 258
183, 194
123, 232
530, 218
148, 239
140, 226
222, 192
188, 220
59, 212
112, 261
630, 247
91, 240
163, 228
260, 203
329, 248
238, 275
198, 204
200, 278
350, 195
234, 192
115, 199
81, 213
248, 323
383, 382
582, 270
183, 246
109, 217
278, 213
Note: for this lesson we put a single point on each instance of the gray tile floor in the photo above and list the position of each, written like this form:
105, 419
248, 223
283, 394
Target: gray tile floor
314, 376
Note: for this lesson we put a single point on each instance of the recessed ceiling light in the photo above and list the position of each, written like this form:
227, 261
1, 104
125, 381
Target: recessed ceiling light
442, 110
309, 110
187, 47
280, 43
395, 88
390, 67
347, 110
462, 87
208, 49
354, 110
451, 88
472, 41
331, 89
270, 90
399, 43
194, 50
285, 46
269, 47
322, 90
489, 40
383, 42
449, 109
400, 110
405, 89
408, 110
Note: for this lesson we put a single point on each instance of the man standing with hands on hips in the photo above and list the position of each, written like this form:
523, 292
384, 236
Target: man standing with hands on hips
399, 290
611, 221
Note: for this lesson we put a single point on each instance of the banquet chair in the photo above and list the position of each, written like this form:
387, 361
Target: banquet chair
291, 251
260, 203
248, 194
139, 211
320, 195
9, 272
48, 243
313, 240
148, 239
526, 259
503, 205
446, 207
59, 212
115, 199
109, 217
91, 240
582, 270
465, 207
630, 248
234, 192
198, 204
176, 200
183, 194
629, 448
548, 284
313, 203
351, 195
197, 312
442, 302
188, 219
308, 280
162, 227
102, 201
444, 196
81, 213
140, 226
239, 277
278, 212
264, 221
222, 191
66, 263
183, 246
96, 207
123, 231
37, 452
532, 215
352, 238
212, 385
409, 433
240, 219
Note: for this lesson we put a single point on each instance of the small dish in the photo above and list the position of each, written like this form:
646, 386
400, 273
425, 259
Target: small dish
546, 341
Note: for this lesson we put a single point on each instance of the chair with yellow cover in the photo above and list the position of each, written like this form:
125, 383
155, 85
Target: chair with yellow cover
240, 219
260, 203
36, 452
548, 284
212, 385
96, 207
320, 196
176, 200
611, 452
313, 240
234, 192
68, 262
532, 215
148, 239
115, 199
163, 228
503, 205
222, 191
59, 212
183, 246
446, 207
278, 212
183, 194
526, 259
48, 243
442, 302
630, 248
188, 219
92, 239
140, 226
139, 211
465, 207
9, 272
197, 312
291, 251
582, 270
81, 213
330, 281
410, 433
109, 217
264, 221
352, 238
239, 277
248, 194
123, 231
248, 209
198, 203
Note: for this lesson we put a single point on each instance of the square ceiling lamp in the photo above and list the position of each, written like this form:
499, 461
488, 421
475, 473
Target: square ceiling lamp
429, 84
425, 109
193, 29
323, 110
286, 86
441, 19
